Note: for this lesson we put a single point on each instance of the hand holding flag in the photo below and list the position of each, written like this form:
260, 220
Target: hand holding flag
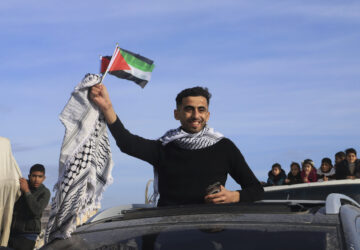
100, 96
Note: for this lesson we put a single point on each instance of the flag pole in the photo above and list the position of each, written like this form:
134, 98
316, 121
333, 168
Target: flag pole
110, 64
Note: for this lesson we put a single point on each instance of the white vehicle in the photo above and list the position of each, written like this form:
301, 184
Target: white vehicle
314, 190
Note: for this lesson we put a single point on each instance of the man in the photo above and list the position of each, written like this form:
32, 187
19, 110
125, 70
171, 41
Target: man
348, 168
189, 159
28, 209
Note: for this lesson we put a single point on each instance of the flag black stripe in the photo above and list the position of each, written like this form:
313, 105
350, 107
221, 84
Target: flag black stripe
128, 76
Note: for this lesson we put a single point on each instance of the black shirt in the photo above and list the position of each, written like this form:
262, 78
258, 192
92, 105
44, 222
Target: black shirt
185, 174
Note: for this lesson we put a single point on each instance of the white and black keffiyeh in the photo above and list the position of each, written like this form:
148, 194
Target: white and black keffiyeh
203, 139
85, 162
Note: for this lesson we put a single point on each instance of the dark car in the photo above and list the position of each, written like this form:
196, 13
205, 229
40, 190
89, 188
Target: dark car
330, 224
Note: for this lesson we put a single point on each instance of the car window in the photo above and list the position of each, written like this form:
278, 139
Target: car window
260, 237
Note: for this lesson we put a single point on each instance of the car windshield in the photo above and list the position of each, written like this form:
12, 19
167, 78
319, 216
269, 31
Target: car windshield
247, 236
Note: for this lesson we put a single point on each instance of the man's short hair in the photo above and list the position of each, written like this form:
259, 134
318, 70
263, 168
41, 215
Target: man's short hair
195, 91
340, 154
276, 165
37, 167
349, 151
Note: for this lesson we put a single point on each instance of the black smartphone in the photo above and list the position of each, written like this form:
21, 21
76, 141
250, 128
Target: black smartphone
214, 188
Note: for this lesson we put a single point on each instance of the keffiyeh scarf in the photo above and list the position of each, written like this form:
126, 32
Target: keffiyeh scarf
203, 139
85, 162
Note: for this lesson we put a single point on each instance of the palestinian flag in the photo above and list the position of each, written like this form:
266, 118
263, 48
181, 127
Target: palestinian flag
128, 65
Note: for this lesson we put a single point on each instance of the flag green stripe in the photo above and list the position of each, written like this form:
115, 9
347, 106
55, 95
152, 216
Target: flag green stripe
140, 57
136, 62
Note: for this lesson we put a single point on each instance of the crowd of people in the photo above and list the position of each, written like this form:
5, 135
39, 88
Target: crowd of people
346, 166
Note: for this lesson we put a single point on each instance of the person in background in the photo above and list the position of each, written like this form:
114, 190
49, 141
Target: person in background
326, 171
277, 175
26, 224
294, 176
350, 167
339, 157
308, 173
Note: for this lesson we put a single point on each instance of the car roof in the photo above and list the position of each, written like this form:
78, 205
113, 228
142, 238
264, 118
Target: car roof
136, 211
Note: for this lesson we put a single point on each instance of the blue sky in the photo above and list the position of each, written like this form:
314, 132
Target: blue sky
284, 76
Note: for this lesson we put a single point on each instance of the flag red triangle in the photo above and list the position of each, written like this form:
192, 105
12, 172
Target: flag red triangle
119, 63
105, 60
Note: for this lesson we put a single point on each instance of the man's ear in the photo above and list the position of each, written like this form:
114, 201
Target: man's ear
176, 114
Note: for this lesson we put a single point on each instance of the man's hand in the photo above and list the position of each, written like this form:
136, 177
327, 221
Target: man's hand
100, 96
24, 186
224, 196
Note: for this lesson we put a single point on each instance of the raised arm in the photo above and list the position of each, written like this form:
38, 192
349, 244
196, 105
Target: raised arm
100, 96
144, 149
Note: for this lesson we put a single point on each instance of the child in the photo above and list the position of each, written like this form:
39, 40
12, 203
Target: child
350, 167
339, 157
294, 176
326, 171
277, 175
308, 173
28, 209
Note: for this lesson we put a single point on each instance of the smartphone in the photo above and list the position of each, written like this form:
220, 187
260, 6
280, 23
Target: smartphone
214, 188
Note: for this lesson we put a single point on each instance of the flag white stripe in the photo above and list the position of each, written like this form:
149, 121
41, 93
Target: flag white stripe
139, 73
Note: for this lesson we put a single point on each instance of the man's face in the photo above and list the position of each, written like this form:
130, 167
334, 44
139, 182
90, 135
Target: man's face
36, 178
192, 113
351, 157
276, 171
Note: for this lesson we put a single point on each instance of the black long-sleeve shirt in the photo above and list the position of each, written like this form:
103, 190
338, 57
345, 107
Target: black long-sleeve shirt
185, 174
